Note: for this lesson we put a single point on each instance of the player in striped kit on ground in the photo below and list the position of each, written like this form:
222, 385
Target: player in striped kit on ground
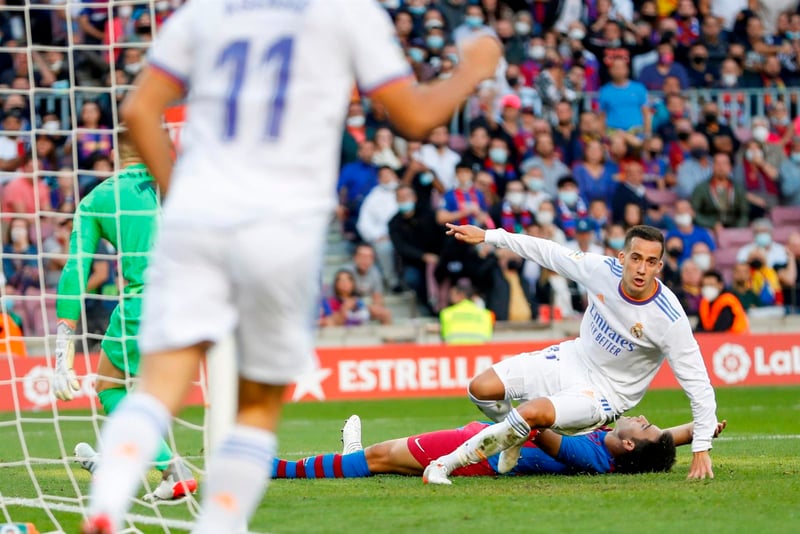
632, 446
632, 324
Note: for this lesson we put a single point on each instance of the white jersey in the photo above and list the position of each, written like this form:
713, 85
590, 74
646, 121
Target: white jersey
622, 341
268, 84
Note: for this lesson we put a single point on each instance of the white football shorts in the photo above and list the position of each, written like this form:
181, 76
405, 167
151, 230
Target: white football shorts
259, 281
557, 374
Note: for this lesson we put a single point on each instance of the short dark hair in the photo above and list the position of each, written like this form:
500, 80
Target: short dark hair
648, 233
648, 456
566, 179
713, 273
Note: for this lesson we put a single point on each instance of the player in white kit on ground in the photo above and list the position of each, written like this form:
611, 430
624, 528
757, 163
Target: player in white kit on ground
632, 323
247, 207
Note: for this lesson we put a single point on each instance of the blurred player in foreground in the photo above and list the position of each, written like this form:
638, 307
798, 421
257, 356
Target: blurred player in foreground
123, 210
632, 323
246, 213
632, 446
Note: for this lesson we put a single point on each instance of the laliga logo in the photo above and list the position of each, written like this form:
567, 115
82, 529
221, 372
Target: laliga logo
731, 363
36, 387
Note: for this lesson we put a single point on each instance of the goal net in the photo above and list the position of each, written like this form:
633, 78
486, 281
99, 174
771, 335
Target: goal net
65, 66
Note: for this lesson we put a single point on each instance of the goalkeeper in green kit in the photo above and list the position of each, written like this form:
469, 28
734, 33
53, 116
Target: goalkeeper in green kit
123, 210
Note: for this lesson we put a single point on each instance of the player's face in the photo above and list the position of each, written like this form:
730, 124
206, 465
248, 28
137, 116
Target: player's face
640, 264
637, 428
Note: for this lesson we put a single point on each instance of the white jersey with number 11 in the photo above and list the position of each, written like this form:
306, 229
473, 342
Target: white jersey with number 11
268, 84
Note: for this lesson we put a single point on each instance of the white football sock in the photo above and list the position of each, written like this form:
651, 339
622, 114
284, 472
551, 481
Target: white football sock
128, 443
488, 442
237, 478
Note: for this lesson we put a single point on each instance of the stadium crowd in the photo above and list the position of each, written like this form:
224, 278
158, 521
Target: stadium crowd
607, 114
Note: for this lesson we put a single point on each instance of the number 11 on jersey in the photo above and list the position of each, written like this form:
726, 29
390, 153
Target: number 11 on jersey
238, 54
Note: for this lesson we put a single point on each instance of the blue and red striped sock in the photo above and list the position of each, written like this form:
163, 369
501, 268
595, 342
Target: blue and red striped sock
353, 465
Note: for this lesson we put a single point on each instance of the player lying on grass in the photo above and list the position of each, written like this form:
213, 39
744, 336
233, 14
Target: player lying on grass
123, 210
632, 446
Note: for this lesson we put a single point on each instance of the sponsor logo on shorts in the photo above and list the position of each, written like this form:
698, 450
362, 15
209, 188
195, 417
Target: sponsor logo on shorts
416, 441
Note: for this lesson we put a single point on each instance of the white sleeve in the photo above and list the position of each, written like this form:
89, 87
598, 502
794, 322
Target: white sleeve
741, 256
366, 224
686, 361
377, 56
575, 265
171, 52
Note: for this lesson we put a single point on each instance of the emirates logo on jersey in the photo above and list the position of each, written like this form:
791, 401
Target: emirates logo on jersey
637, 330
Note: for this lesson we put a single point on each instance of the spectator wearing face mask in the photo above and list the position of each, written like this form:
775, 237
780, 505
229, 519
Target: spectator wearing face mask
741, 286
696, 169
652, 76
535, 193
379, 206
20, 273
546, 222
474, 22
464, 204
670, 271
356, 180
719, 202
500, 166
594, 176
757, 169
687, 231
701, 256
417, 54
546, 159
790, 175
774, 255
678, 148
715, 41
630, 191
764, 280
355, 133
440, 158
569, 205
700, 72
511, 214
533, 65
615, 240
417, 238
689, 292
715, 130
720, 310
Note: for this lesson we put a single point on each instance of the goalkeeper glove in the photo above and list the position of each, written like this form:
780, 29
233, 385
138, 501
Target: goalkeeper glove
64, 380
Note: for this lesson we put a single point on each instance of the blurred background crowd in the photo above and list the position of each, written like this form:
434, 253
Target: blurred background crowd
605, 114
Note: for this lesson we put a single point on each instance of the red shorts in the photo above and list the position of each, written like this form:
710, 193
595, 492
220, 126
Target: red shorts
428, 447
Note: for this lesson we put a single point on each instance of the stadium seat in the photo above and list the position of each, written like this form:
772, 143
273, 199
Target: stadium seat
661, 197
734, 237
785, 216
724, 260
781, 233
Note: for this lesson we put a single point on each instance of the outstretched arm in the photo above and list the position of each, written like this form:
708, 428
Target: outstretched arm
571, 264
682, 434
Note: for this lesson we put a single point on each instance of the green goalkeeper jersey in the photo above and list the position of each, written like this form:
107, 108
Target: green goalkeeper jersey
123, 210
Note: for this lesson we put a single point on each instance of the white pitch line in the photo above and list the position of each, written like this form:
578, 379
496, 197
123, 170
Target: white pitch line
69, 508
759, 437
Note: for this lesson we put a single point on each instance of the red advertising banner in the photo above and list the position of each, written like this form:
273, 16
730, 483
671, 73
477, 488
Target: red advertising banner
397, 371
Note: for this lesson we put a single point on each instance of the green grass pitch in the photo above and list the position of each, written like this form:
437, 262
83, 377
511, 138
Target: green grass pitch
756, 489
